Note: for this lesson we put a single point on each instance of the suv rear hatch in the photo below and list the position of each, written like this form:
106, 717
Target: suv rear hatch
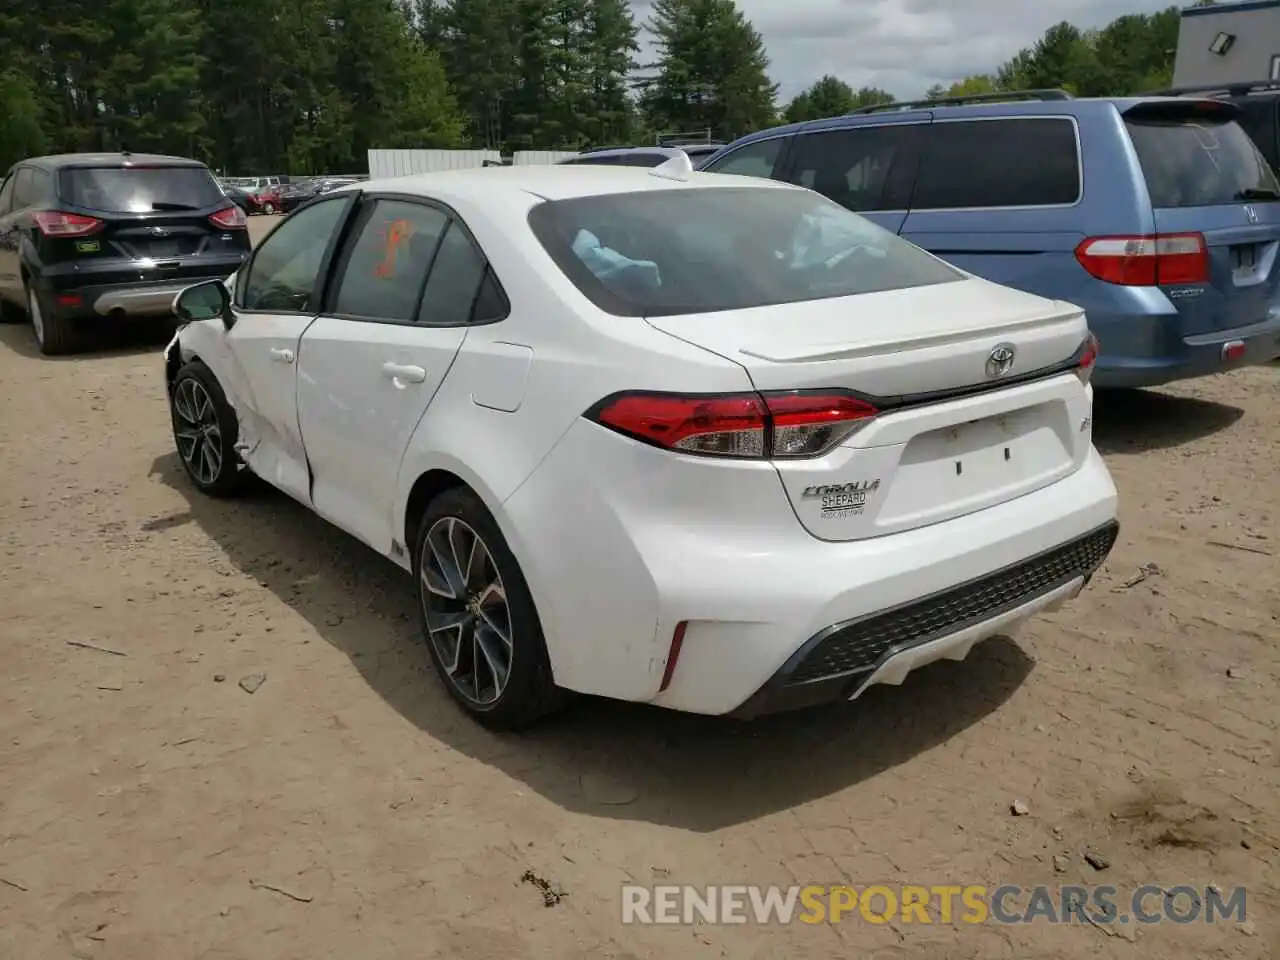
940, 439
172, 215
1214, 192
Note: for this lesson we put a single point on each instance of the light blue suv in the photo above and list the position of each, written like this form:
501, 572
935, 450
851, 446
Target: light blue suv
1157, 215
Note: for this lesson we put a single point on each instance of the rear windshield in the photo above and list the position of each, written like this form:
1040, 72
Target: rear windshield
668, 252
140, 189
1200, 163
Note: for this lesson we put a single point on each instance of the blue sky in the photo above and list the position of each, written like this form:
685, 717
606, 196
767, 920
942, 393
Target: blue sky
906, 46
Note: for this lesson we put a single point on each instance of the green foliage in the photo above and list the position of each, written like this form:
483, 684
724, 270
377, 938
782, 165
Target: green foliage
308, 86
21, 132
712, 70
831, 97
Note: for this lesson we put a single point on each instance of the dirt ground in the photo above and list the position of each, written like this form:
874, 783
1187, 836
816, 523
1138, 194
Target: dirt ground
150, 807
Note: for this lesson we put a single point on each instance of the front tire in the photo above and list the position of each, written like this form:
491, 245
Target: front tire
478, 617
205, 430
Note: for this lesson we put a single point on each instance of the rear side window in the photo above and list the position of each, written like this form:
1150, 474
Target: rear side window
140, 189
698, 250
387, 264
454, 282
32, 188
1016, 162
865, 168
1201, 163
753, 160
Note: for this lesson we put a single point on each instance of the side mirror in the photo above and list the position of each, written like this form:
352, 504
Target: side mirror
205, 301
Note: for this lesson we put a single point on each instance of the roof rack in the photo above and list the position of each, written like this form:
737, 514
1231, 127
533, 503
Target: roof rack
1218, 90
1004, 97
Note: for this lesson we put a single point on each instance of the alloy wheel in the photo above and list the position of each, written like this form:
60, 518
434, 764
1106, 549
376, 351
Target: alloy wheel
196, 430
466, 611
37, 318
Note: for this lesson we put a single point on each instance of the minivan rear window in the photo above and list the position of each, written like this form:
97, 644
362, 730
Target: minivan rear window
699, 250
140, 189
1200, 162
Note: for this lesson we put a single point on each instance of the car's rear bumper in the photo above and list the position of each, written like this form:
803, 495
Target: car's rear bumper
843, 660
1196, 355
654, 540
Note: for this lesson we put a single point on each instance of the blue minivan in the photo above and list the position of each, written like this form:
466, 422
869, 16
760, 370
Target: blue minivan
1157, 215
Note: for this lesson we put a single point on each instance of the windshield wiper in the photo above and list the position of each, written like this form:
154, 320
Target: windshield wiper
162, 205
1257, 193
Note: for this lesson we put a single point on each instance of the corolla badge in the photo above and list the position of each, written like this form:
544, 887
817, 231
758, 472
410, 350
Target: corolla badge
1000, 360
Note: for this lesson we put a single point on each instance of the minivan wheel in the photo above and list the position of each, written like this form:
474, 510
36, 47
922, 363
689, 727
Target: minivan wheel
478, 617
54, 335
205, 431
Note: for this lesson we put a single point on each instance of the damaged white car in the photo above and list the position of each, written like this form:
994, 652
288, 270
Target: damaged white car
707, 442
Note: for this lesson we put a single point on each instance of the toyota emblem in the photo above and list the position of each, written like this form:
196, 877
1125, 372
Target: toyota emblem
1000, 361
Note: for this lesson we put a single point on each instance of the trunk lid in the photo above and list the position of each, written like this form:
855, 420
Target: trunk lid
1206, 176
948, 441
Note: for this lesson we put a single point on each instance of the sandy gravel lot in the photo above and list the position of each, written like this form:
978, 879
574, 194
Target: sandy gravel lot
149, 805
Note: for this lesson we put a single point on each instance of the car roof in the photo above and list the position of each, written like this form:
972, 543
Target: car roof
67, 160
977, 111
553, 182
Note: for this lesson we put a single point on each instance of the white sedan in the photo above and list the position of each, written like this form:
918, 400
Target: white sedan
707, 442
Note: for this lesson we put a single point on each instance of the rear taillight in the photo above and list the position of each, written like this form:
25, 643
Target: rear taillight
232, 218
1146, 261
784, 425
55, 223
1088, 358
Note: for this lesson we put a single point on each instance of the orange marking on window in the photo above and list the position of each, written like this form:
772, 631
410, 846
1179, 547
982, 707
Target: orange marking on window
394, 236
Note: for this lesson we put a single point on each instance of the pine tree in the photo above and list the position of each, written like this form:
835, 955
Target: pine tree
712, 70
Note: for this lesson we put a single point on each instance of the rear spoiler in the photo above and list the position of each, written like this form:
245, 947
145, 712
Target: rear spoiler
1175, 108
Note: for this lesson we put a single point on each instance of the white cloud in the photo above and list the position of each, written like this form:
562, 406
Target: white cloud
906, 46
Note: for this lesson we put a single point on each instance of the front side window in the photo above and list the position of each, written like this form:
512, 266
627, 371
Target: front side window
386, 266
703, 249
853, 167
6, 196
284, 275
754, 160
1020, 162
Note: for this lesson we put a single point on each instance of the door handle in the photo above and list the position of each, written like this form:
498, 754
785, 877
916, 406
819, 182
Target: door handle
281, 355
404, 371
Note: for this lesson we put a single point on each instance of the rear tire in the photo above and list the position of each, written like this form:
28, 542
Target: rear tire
205, 430
55, 336
478, 617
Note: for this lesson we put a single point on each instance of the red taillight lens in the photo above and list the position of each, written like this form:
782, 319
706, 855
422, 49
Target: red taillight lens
731, 425
1146, 261
232, 218
54, 223
1088, 357
806, 424
743, 425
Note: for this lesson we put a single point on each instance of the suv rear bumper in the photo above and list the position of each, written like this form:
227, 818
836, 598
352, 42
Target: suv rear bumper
149, 298
1198, 356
